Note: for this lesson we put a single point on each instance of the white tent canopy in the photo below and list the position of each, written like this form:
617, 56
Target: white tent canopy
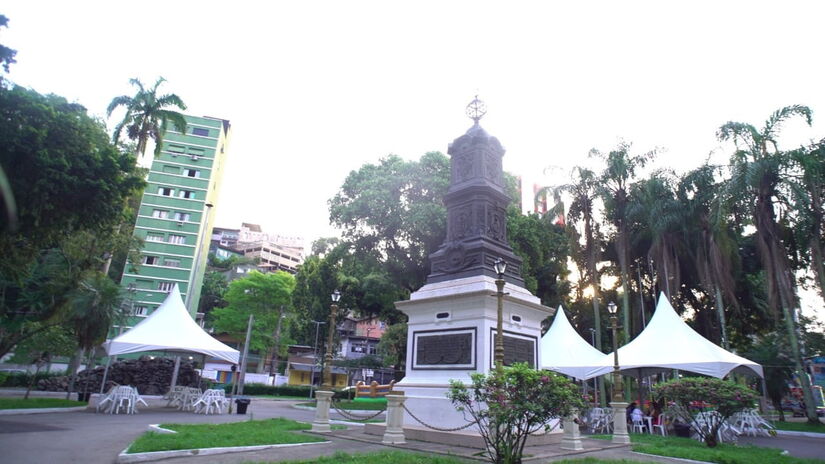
170, 328
669, 343
563, 350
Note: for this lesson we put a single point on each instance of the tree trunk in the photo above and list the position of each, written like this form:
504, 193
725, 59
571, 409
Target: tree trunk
597, 319
720, 308
273, 367
807, 392
33, 380
74, 364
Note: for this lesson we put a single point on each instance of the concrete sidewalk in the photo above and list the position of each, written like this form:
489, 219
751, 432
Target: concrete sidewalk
98, 438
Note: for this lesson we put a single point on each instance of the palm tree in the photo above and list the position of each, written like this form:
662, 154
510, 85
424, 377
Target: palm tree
808, 187
614, 185
653, 206
713, 248
584, 191
147, 115
758, 180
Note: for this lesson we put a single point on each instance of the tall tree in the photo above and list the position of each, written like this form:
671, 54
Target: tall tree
147, 115
6, 54
614, 183
808, 188
394, 208
712, 245
261, 295
758, 180
583, 192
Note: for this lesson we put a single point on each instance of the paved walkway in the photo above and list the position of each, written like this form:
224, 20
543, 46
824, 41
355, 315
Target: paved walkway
98, 438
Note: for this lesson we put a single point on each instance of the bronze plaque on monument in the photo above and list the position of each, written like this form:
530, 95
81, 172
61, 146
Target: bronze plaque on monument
517, 348
444, 349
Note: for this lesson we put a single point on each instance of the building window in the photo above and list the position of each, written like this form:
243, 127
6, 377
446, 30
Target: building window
200, 131
176, 148
182, 216
172, 262
165, 191
151, 260
150, 237
191, 173
165, 286
141, 311
160, 213
186, 194
177, 239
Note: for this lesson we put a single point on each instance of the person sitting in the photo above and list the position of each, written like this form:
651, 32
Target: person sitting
630, 409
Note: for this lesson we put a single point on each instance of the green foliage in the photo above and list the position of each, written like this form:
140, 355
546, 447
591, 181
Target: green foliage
147, 116
281, 390
393, 346
23, 379
543, 247
57, 340
725, 397
214, 288
64, 173
260, 295
395, 209
247, 433
510, 405
6, 54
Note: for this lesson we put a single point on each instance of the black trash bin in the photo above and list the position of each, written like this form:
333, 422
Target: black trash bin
242, 403
681, 430
84, 396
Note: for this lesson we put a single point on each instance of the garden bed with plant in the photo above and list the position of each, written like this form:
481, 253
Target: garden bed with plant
248, 433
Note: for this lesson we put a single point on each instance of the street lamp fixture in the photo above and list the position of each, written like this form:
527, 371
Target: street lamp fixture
336, 296
500, 267
614, 321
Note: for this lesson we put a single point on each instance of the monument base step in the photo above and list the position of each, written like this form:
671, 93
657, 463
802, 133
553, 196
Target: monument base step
464, 438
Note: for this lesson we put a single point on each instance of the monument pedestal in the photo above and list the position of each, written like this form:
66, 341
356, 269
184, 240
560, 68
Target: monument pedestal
451, 334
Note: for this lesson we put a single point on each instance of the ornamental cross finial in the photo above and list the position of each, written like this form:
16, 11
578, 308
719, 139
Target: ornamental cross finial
476, 110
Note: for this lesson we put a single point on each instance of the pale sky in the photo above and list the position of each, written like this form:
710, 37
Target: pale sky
315, 89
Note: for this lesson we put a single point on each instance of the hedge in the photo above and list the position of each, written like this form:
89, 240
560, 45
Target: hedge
281, 390
22, 379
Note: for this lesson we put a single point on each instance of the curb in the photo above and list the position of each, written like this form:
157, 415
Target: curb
670, 457
123, 457
9, 412
792, 433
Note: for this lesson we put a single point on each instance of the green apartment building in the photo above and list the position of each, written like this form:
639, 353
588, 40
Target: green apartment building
176, 215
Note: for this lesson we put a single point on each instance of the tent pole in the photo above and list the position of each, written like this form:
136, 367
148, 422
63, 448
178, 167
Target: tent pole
105, 374
175, 373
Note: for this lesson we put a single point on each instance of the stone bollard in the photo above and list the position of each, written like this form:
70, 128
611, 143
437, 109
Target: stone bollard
620, 435
323, 401
394, 433
572, 437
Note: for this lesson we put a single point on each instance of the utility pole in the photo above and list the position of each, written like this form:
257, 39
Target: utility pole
242, 374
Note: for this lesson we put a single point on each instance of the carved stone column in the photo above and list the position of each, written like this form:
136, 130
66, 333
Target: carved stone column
323, 401
572, 437
620, 435
394, 433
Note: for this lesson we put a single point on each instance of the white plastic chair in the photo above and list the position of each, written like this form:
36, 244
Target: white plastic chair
661, 425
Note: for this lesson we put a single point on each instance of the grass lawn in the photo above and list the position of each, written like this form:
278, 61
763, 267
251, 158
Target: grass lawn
597, 461
688, 448
357, 405
382, 457
247, 433
37, 403
800, 426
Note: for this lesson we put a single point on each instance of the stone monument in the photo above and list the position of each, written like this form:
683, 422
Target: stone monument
452, 318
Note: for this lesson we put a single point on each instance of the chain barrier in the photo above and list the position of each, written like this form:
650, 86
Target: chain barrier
455, 429
352, 416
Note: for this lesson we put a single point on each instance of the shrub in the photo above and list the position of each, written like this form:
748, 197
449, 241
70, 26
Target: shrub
22, 379
513, 404
280, 390
725, 397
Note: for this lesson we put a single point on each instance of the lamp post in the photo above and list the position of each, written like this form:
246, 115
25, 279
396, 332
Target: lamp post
619, 406
500, 266
336, 296
318, 324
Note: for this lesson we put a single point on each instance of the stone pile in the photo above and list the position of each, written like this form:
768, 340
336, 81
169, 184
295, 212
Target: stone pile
150, 376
